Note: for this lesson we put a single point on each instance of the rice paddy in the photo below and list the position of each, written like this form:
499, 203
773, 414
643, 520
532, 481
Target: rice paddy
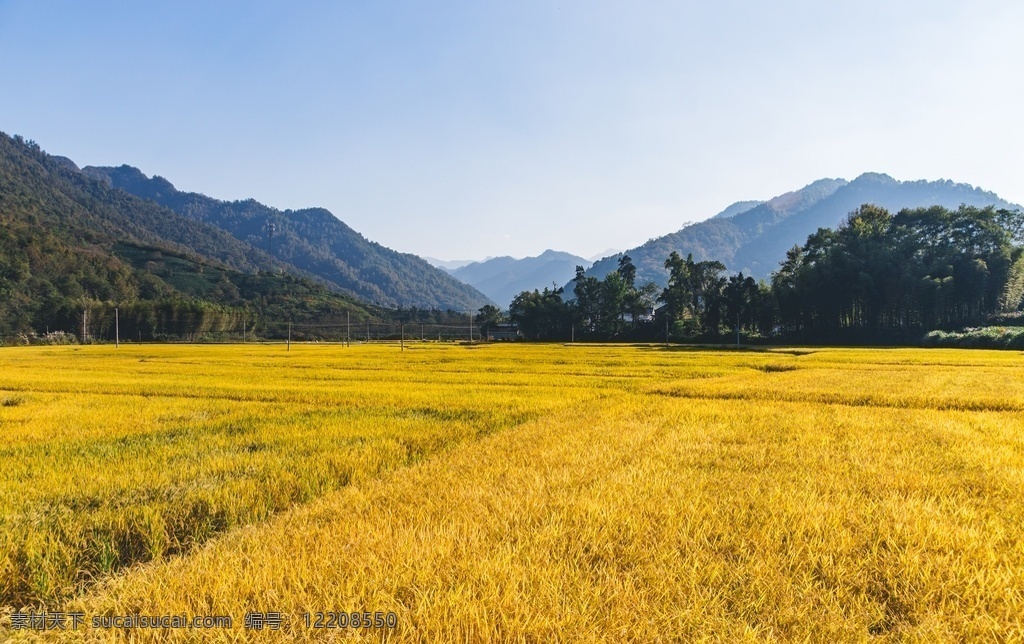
516, 492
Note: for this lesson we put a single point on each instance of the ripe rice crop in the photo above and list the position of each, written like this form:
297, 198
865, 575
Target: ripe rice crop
520, 492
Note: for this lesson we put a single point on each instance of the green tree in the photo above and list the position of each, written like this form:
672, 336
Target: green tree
587, 309
488, 317
627, 270
707, 284
678, 294
741, 298
614, 295
541, 315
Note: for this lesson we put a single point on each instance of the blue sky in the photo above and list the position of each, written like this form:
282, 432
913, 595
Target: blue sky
462, 130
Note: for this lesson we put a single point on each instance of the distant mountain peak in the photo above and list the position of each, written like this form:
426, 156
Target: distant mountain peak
502, 278
806, 196
556, 254
754, 240
131, 179
876, 177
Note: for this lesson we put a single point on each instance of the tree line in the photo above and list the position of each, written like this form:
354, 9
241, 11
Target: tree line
878, 277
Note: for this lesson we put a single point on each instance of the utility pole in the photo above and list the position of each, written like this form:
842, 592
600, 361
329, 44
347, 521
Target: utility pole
348, 328
573, 334
117, 330
470, 326
85, 325
271, 227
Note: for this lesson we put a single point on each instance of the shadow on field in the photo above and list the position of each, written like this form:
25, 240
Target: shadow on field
725, 348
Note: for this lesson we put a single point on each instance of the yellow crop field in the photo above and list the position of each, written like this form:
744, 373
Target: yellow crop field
515, 492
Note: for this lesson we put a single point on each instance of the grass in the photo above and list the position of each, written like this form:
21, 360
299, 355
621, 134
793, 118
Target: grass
989, 337
523, 492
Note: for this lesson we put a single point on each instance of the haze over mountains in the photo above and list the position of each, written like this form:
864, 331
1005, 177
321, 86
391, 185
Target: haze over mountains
450, 265
753, 237
502, 278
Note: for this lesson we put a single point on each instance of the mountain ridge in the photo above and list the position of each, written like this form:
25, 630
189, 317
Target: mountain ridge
502, 278
312, 240
69, 244
755, 240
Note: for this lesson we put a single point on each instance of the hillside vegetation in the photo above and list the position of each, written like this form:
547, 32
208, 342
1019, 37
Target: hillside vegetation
879, 277
69, 244
314, 241
755, 240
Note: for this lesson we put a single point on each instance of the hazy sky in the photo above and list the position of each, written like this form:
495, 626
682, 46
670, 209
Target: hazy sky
460, 130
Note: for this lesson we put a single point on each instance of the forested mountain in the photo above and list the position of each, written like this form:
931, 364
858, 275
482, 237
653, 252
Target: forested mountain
755, 240
312, 240
502, 278
887, 275
69, 243
877, 278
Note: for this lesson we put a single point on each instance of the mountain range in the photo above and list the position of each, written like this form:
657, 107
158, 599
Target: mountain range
313, 242
753, 236
70, 243
449, 265
502, 278
115, 234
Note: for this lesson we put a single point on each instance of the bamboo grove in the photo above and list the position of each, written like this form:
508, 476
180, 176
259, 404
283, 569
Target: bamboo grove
878, 277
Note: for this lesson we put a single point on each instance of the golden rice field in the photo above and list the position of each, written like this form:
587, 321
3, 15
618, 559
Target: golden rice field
516, 492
